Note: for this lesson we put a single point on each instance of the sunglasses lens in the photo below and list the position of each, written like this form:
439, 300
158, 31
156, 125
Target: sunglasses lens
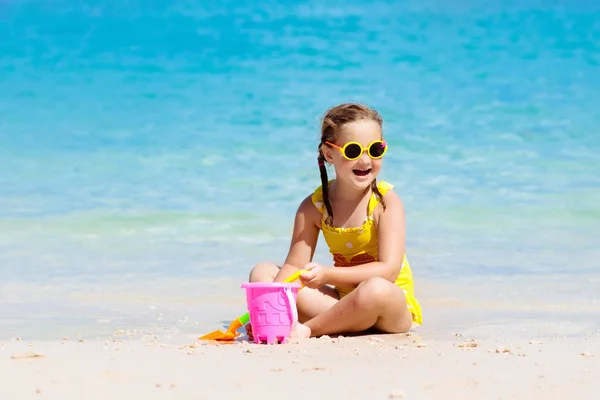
352, 151
376, 149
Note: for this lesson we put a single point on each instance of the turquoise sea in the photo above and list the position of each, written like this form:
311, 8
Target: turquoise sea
152, 152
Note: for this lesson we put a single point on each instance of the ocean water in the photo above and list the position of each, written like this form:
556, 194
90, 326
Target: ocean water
152, 152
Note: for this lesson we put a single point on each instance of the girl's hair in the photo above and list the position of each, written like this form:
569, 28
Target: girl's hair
333, 121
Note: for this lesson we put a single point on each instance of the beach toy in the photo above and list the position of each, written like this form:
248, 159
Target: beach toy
272, 307
231, 332
240, 321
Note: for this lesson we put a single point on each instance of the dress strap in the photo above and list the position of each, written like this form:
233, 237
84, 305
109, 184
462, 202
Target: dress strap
317, 199
383, 187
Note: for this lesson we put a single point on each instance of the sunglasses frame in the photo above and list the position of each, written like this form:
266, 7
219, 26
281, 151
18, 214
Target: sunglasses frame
362, 149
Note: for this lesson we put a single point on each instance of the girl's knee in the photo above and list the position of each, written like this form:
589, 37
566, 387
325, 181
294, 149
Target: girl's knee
375, 292
263, 272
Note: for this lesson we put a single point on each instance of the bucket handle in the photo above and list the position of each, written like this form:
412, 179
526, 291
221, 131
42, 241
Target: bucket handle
291, 303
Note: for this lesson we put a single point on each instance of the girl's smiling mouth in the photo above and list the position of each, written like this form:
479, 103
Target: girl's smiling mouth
361, 172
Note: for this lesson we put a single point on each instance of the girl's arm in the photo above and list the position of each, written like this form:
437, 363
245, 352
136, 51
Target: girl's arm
391, 232
304, 239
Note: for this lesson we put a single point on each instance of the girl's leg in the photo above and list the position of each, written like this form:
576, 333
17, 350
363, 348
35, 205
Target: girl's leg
310, 302
263, 272
376, 303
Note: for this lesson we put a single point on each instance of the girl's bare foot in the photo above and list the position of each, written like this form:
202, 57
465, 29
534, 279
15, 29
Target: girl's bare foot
300, 331
249, 332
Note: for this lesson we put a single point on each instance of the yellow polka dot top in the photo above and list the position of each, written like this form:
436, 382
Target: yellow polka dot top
358, 245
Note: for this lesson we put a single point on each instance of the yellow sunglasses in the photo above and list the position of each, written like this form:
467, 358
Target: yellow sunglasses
353, 150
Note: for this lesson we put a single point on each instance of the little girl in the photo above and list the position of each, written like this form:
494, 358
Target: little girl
370, 283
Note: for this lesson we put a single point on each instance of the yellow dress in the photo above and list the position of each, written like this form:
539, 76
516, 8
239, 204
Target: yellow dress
358, 245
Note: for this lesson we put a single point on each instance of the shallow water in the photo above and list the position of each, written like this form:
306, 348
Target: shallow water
159, 143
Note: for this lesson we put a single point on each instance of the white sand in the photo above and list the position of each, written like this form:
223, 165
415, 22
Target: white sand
510, 346
364, 367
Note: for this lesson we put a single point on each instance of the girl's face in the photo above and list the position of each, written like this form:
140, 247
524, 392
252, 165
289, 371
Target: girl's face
361, 172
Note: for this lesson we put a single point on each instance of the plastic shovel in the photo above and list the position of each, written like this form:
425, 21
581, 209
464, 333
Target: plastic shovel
242, 320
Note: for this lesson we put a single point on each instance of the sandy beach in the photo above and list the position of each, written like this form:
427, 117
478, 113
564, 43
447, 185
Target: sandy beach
135, 365
476, 343
153, 152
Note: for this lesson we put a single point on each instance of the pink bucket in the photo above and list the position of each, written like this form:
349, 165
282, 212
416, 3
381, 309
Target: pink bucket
272, 308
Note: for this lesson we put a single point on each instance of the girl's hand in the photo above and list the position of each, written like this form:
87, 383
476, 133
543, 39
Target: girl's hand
315, 276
